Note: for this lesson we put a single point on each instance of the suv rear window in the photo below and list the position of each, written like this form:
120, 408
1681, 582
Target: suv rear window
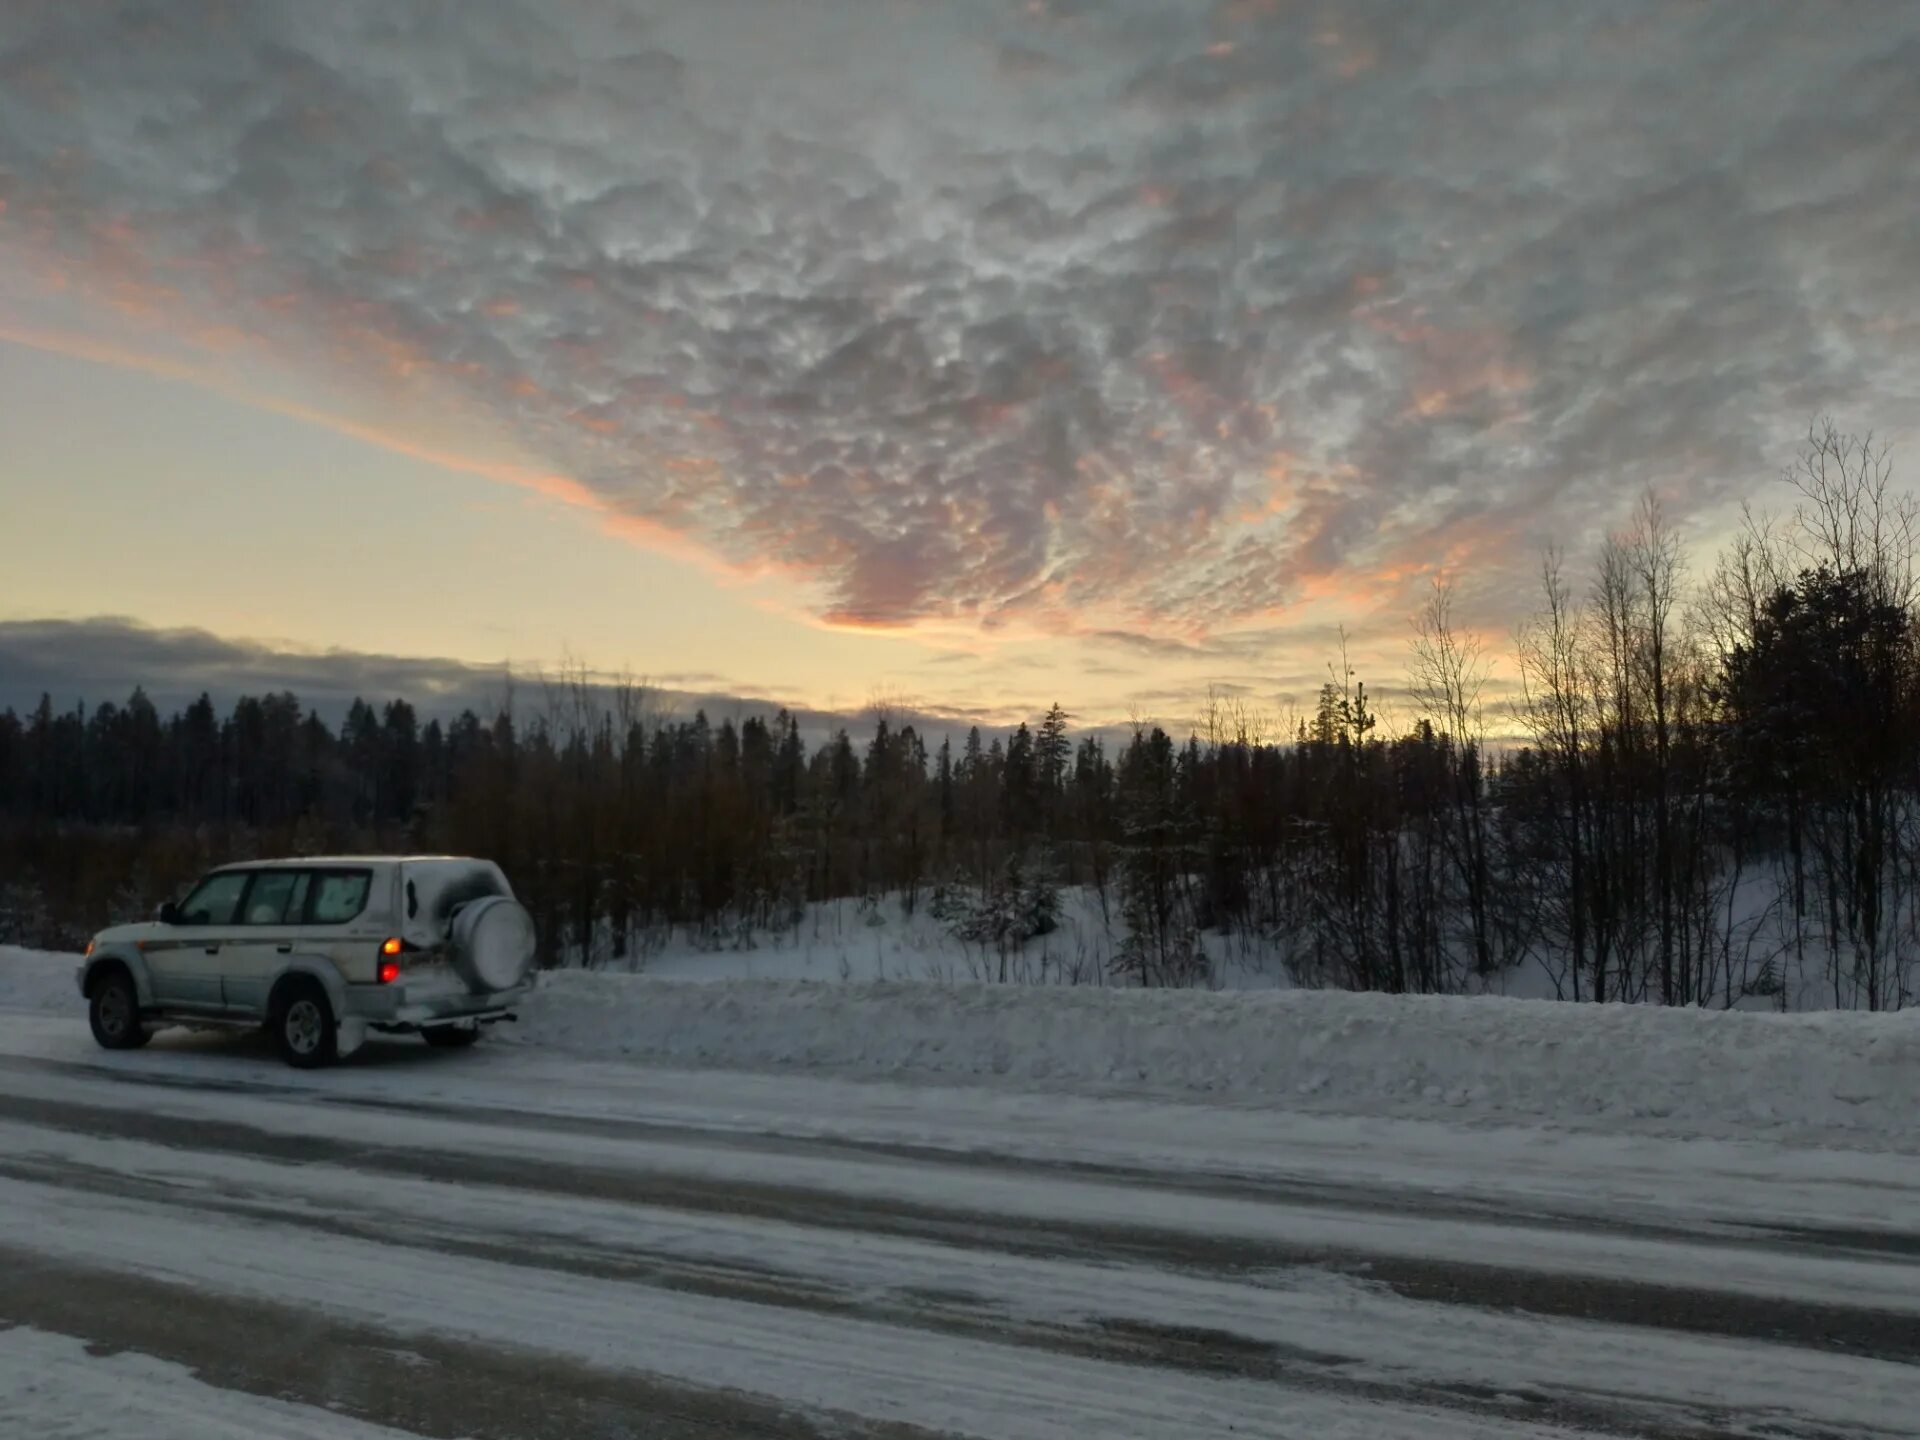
338, 895
278, 897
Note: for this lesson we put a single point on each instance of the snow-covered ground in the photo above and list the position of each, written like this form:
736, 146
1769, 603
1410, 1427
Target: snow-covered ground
880, 939
904, 1210
877, 939
1670, 1071
56, 1389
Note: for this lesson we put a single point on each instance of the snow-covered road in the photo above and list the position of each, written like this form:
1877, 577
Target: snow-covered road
512, 1244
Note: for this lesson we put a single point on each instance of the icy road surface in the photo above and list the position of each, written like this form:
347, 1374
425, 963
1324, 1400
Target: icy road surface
514, 1245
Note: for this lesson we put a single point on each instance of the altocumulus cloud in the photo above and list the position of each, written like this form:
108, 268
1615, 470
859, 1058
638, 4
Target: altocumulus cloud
1155, 320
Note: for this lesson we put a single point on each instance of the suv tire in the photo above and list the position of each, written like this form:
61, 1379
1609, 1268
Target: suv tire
451, 1037
113, 1012
302, 1025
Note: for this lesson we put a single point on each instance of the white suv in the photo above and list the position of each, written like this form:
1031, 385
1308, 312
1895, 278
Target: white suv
319, 951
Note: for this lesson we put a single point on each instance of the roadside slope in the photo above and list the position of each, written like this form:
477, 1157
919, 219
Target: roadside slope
1825, 1078
1850, 1078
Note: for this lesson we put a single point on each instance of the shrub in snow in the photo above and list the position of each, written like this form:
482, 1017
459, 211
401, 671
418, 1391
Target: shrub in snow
1162, 945
1172, 957
1018, 908
1037, 908
728, 931
945, 903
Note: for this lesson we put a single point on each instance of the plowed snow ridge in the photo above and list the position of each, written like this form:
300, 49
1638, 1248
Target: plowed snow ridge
1516, 1061
1826, 1077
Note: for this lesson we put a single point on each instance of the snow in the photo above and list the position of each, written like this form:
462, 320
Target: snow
38, 980
1824, 1077
1626, 1176
1486, 1058
436, 886
1731, 1193
1354, 1324
57, 1390
542, 1197
880, 938
877, 939
944, 1383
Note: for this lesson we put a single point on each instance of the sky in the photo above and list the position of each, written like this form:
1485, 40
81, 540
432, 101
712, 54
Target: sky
967, 354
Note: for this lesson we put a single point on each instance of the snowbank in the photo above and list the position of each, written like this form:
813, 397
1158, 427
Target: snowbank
38, 980
1669, 1071
1851, 1077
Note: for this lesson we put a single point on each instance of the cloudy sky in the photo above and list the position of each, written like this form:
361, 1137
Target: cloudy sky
978, 353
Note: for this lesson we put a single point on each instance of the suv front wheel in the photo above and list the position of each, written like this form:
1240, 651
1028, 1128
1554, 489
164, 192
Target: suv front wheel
302, 1025
113, 1010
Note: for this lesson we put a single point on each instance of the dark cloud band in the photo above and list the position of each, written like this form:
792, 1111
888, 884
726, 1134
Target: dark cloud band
105, 659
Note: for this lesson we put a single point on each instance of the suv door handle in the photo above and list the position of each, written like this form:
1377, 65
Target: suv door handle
213, 949
284, 949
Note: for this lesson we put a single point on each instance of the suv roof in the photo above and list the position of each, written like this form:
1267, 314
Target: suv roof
301, 861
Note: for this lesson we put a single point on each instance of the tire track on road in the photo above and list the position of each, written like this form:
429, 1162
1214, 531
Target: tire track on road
1864, 1332
1733, 1235
429, 1385
907, 1381
1114, 1338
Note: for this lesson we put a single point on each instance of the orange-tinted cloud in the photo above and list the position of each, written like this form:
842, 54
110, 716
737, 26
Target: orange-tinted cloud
1145, 328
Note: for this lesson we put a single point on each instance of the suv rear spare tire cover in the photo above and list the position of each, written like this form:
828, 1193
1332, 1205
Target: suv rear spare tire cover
493, 943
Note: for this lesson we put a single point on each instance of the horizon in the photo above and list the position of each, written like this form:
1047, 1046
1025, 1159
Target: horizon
39, 666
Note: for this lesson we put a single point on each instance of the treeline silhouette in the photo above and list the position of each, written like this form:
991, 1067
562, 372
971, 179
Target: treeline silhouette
1706, 793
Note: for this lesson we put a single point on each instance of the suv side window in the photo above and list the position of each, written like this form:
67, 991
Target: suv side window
215, 899
338, 896
277, 897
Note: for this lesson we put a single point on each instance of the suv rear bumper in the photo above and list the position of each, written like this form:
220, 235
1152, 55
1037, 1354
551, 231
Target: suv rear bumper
403, 1007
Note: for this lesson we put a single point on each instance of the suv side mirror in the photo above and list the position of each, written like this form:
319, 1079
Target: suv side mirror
169, 913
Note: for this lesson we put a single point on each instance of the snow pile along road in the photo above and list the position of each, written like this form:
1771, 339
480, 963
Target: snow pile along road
38, 980
1824, 1077
1674, 1071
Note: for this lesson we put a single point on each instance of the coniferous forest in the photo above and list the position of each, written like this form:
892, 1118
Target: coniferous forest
1698, 784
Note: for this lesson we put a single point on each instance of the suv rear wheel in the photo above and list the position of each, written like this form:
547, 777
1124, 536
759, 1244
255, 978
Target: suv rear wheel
113, 1010
302, 1025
